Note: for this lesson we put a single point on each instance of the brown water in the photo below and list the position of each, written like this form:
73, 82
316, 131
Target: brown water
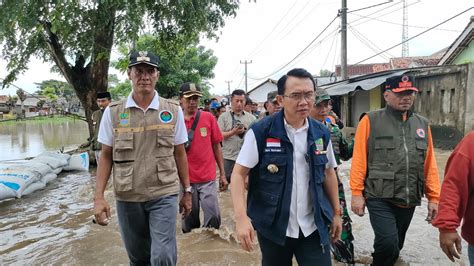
54, 226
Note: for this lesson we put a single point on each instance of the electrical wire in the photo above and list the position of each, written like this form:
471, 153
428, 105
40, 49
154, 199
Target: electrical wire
423, 32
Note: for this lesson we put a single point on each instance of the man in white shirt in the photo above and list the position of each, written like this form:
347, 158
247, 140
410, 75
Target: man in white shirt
293, 196
143, 140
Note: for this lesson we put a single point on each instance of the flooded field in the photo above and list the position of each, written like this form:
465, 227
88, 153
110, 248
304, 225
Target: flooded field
53, 226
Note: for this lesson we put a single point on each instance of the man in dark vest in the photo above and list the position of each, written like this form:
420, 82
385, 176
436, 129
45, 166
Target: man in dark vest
143, 140
103, 100
292, 189
393, 166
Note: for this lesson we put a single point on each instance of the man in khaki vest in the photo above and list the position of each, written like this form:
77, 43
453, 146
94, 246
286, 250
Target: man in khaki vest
393, 167
143, 140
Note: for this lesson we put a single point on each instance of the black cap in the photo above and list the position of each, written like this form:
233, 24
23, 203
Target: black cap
103, 94
271, 96
400, 83
143, 57
189, 89
207, 101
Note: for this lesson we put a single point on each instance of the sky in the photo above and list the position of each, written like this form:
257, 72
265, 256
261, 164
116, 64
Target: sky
273, 35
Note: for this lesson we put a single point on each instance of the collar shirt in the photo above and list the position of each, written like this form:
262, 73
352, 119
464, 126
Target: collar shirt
106, 130
301, 210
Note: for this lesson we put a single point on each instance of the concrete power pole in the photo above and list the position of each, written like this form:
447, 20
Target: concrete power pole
405, 30
228, 85
246, 62
343, 13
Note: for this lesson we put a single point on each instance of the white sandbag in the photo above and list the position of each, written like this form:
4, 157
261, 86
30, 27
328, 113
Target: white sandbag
53, 159
57, 170
48, 178
78, 162
41, 168
5, 191
18, 179
33, 187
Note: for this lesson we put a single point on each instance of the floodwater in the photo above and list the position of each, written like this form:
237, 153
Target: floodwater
53, 226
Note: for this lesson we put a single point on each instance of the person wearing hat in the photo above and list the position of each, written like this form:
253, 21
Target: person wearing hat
207, 105
271, 105
343, 249
103, 100
203, 151
143, 140
393, 166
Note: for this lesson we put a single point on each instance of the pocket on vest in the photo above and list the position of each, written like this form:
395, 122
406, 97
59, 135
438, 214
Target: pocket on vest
277, 164
266, 207
123, 176
380, 182
164, 171
384, 147
165, 142
319, 165
123, 146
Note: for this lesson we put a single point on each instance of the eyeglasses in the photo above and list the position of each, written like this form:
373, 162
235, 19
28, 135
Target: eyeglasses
308, 96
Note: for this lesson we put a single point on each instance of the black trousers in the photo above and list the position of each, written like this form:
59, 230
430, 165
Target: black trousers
390, 224
307, 250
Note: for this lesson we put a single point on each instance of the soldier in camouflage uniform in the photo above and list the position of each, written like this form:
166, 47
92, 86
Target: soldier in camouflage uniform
343, 249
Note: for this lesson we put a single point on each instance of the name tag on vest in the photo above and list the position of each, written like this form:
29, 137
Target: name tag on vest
279, 150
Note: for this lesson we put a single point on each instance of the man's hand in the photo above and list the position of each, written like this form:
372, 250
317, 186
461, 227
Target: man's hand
101, 211
336, 228
448, 241
432, 211
238, 130
358, 205
185, 204
223, 184
245, 232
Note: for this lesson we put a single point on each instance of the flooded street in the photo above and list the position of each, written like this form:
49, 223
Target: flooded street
53, 225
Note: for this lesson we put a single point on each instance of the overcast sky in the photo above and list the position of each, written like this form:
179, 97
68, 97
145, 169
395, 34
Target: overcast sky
271, 33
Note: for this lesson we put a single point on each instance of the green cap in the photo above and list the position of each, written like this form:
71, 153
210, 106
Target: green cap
271, 96
321, 95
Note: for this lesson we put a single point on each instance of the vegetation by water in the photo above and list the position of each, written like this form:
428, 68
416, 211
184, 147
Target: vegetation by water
42, 120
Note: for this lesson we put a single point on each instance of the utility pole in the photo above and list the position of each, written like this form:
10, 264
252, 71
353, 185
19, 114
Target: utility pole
228, 85
405, 30
246, 62
343, 13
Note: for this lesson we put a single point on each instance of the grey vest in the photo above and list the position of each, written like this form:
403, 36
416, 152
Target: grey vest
396, 156
144, 166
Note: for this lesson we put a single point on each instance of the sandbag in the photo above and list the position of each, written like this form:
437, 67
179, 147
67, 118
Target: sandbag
78, 162
33, 187
53, 159
18, 179
6, 192
48, 178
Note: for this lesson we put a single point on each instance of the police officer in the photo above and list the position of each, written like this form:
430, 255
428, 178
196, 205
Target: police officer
292, 194
103, 100
143, 140
393, 166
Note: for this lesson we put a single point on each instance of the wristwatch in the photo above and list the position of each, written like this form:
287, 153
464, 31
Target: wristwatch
189, 189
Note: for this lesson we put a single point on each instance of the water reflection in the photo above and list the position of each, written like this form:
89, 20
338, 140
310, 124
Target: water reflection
29, 139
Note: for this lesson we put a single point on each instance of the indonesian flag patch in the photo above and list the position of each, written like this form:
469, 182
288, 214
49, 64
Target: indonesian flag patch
274, 143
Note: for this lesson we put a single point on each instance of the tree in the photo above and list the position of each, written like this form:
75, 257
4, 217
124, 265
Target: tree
22, 97
191, 63
78, 35
325, 73
11, 102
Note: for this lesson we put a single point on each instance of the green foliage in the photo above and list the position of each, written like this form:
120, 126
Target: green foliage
121, 90
80, 33
191, 63
325, 73
21, 95
60, 88
50, 93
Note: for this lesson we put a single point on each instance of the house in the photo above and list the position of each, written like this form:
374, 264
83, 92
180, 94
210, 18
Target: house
461, 50
259, 93
4, 107
446, 98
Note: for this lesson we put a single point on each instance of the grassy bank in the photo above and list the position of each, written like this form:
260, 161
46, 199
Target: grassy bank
42, 120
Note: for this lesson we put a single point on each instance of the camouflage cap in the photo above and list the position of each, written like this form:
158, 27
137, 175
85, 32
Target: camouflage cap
321, 95
271, 96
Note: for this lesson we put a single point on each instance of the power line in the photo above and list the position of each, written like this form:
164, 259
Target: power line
367, 7
372, 46
423, 32
302, 51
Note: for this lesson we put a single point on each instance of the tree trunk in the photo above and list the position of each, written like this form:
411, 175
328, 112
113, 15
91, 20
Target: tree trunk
92, 78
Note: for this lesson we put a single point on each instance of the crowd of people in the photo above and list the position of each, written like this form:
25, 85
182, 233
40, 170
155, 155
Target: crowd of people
281, 166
